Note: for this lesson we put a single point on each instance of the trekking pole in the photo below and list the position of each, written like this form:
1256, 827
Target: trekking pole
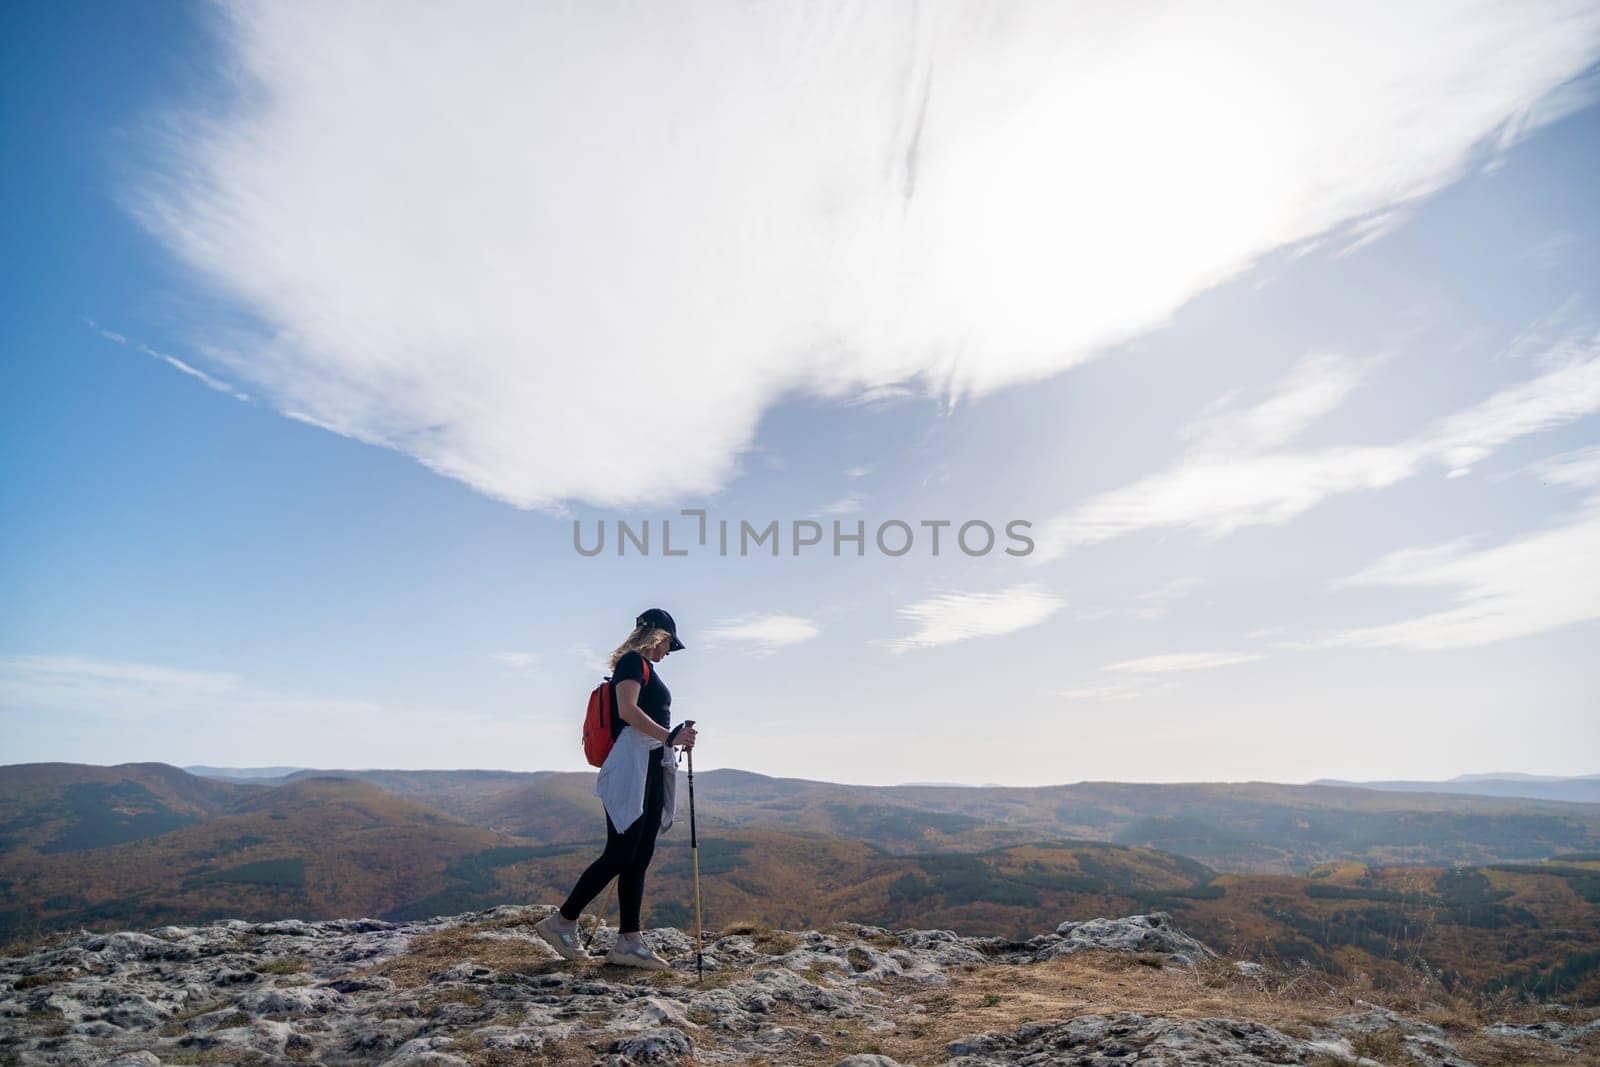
694, 853
599, 917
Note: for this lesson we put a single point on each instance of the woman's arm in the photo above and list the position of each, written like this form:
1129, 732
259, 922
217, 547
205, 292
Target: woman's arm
632, 714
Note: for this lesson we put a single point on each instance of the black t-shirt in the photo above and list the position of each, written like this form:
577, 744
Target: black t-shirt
655, 699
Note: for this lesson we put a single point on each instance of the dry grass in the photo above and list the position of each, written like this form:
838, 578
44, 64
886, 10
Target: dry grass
1003, 997
174, 1027
772, 942
232, 1056
443, 949
431, 1003
874, 938
567, 1052
288, 965
39, 940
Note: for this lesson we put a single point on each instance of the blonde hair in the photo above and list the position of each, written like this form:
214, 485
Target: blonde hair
642, 638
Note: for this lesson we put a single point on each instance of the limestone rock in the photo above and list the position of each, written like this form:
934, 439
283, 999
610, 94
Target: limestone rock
1136, 933
294, 991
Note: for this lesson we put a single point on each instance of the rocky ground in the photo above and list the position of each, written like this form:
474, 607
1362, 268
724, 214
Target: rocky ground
483, 988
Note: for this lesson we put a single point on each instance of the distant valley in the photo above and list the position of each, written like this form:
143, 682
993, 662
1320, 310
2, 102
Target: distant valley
1341, 877
1251, 827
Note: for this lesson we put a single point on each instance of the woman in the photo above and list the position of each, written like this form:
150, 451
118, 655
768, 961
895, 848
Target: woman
637, 791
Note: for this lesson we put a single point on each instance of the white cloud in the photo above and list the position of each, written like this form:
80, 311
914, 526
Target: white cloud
1553, 399
1553, 250
167, 698
857, 472
843, 506
591, 660
176, 363
1157, 602
1553, 339
1266, 631
1147, 674
762, 634
456, 227
951, 617
1149, 606
194, 372
1181, 661
1579, 468
1121, 689
1215, 496
1399, 567
1215, 492
1528, 585
113, 712
520, 662
1567, 99
1317, 385
85, 675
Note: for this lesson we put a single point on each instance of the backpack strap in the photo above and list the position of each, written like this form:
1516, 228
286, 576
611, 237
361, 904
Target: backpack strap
646, 664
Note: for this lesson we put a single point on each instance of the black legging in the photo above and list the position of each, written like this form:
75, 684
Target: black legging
625, 858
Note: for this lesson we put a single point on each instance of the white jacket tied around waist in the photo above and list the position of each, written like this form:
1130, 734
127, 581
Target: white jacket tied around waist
620, 784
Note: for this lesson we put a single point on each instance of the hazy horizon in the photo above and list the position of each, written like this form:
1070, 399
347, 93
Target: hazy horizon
1460, 778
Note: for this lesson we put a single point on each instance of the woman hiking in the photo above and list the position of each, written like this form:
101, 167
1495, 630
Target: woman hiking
638, 787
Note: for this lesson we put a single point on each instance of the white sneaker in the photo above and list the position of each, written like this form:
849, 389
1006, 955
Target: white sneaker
563, 941
637, 954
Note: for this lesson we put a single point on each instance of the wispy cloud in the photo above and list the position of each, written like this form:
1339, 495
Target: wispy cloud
84, 674
951, 617
1316, 386
1214, 491
1217, 496
520, 662
1528, 585
214, 383
1149, 606
1553, 250
1118, 689
1148, 674
1579, 468
591, 660
1181, 661
173, 361
123, 710
1157, 602
843, 506
1553, 399
160, 697
762, 634
941, 179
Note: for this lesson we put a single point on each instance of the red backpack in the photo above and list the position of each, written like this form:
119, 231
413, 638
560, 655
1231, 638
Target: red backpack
597, 739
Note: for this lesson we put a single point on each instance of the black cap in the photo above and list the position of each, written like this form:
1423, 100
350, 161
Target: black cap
662, 621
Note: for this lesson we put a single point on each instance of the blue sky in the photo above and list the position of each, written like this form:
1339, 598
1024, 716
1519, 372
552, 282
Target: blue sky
320, 334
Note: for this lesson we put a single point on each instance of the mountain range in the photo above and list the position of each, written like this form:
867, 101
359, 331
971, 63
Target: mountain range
1584, 789
1345, 878
1244, 827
